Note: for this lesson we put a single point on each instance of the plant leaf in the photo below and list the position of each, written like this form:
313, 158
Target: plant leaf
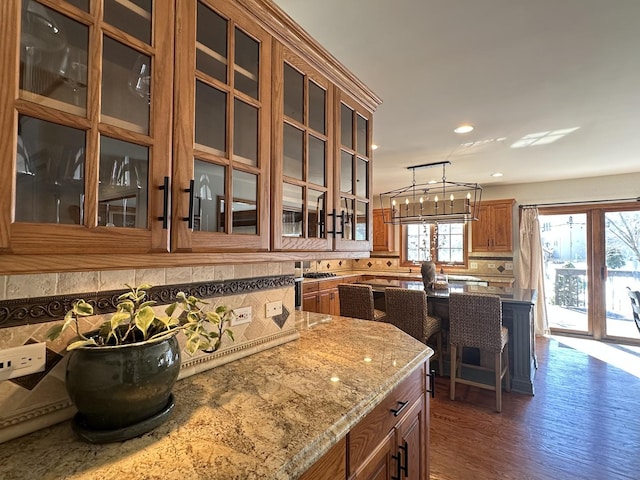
118, 318
82, 308
144, 318
81, 343
171, 309
54, 332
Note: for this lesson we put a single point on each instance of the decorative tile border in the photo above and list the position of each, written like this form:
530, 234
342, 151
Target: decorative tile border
30, 311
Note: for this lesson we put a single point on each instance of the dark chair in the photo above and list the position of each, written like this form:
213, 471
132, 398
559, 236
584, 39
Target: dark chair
475, 320
634, 295
356, 301
407, 310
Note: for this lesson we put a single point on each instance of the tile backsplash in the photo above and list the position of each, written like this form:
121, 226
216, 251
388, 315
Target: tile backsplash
39, 400
498, 265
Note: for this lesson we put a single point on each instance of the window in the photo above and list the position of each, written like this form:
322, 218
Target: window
444, 243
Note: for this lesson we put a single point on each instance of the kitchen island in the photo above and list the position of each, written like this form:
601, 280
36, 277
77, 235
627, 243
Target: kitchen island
271, 415
517, 315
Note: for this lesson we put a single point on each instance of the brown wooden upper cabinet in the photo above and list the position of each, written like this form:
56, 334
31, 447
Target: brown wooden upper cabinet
353, 211
492, 232
383, 233
221, 129
158, 126
303, 142
86, 125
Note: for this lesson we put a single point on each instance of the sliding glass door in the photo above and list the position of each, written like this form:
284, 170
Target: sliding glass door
622, 236
566, 268
591, 262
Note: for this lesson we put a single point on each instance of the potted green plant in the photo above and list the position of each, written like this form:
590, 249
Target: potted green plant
120, 376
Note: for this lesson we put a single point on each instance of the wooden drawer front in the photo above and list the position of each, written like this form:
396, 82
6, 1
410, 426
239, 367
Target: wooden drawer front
310, 286
365, 436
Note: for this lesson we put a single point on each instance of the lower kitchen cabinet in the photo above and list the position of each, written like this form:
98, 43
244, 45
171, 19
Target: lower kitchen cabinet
390, 443
331, 466
322, 296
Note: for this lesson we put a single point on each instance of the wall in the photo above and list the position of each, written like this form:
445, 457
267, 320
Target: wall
35, 401
575, 190
612, 187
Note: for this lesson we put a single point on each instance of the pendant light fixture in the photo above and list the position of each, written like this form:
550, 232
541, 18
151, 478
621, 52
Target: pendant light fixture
437, 202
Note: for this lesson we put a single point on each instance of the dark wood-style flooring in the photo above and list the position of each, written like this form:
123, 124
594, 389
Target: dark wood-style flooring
583, 422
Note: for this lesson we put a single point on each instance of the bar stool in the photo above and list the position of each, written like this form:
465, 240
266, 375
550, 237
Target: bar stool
407, 310
475, 320
356, 301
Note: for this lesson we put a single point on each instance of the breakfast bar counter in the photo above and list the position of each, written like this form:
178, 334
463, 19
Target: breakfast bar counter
270, 415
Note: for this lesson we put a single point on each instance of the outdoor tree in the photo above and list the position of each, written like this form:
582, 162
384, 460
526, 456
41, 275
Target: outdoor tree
625, 229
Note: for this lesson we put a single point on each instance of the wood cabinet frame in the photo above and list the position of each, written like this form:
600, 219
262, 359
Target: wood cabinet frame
36, 248
343, 244
185, 150
38, 238
282, 55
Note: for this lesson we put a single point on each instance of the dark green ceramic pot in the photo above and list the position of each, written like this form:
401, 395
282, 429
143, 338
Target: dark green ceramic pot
115, 387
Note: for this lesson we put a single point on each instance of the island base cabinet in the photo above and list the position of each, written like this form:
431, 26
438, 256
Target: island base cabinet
382, 464
391, 441
331, 466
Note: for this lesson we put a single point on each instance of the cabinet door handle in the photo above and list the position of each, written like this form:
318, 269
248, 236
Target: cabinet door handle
397, 411
404, 448
432, 383
335, 231
165, 203
191, 192
398, 467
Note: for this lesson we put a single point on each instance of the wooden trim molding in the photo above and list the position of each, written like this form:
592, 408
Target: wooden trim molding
30, 311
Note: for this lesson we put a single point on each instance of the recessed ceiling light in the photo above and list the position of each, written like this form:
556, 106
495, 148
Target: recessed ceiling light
374, 147
464, 129
496, 174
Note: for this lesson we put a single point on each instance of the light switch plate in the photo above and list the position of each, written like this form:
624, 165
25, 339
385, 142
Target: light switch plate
273, 309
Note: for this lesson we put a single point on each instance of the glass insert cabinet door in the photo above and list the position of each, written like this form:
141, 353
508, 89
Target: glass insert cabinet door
87, 157
303, 149
353, 175
219, 174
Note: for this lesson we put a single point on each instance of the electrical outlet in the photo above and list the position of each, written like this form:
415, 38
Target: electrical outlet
273, 309
24, 360
474, 266
242, 315
508, 266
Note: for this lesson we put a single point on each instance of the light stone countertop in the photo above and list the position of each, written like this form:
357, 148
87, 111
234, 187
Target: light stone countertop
267, 416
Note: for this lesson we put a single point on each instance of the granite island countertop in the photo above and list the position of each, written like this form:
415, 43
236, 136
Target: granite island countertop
267, 416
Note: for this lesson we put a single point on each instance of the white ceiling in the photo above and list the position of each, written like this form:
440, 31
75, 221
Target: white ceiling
509, 67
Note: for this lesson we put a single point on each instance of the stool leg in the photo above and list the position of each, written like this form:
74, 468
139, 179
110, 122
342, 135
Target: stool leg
452, 374
507, 374
498, 367
440, 354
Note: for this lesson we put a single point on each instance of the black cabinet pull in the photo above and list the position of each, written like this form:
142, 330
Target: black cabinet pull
398, 467
404, 448
335, 231
432, 383
397, 411
165, 203
191, 192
